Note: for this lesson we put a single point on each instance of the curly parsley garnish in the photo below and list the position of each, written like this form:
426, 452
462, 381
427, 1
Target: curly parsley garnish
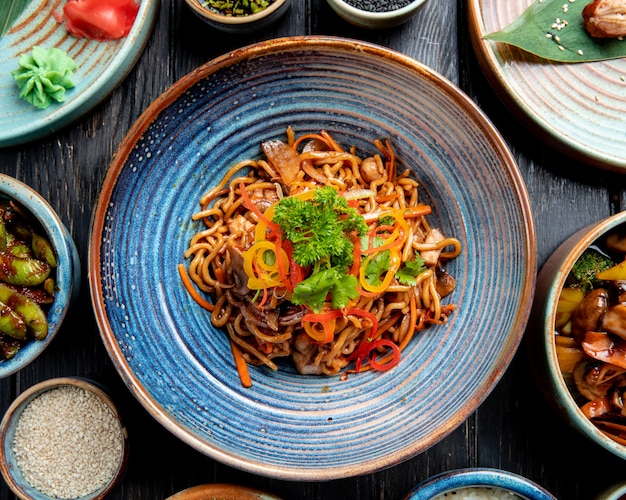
319, 229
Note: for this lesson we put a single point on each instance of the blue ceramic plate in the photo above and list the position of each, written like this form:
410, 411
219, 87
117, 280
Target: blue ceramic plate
287, 425
577, 108
449, 481
67, 273
101, 66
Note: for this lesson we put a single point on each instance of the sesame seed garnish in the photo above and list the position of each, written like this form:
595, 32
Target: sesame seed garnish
561, 47
68, 443
580, 52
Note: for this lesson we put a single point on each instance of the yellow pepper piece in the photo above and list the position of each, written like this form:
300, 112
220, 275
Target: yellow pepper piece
254, 262
395, 258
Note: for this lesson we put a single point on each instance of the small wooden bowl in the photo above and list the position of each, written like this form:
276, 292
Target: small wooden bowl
9, 466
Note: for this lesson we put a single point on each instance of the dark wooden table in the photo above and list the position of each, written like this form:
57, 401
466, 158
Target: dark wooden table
513, 429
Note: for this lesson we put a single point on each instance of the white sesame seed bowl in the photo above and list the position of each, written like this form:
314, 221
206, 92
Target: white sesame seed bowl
362, 13
55, 301
63, 438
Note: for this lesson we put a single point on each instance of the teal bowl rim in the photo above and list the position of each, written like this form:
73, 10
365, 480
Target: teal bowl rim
68, 272
550, 281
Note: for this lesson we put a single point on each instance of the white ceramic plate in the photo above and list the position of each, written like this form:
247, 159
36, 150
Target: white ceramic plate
577, 108
101, 66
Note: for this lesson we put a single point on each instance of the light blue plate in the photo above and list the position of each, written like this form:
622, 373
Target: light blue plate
287, 425
101, 66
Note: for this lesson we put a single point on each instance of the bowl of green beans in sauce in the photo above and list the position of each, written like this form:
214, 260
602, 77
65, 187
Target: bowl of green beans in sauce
39, 274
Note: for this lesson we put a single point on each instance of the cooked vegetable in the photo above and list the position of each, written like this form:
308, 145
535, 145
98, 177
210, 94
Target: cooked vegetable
27, 285
237, 7
591, 335
584, 272
44, 75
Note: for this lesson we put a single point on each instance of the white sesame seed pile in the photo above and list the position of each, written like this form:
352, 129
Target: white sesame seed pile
68, 443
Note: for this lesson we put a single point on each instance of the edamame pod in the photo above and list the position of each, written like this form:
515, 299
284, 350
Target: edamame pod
8, 347
26, 272
11, 323
33, 315
43, 249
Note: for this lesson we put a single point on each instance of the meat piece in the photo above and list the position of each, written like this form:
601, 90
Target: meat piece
371, 169
303, 355
605, 18
431, 257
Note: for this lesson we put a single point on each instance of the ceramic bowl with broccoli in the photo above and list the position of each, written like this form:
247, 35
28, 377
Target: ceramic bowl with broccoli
580, 332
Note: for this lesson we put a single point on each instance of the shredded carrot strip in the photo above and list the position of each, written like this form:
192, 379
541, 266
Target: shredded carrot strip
418, 211
205, 304
412, 322
241, 365
297, 142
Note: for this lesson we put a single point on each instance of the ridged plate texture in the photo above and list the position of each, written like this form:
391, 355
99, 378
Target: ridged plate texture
577, 108
288, 425
101, 66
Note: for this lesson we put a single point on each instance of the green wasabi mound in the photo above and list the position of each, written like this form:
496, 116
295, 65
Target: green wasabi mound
44, 75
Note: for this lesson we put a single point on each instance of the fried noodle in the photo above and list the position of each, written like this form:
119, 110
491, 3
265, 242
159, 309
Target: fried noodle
247, 266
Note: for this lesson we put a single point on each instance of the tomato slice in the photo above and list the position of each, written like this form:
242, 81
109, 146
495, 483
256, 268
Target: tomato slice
100, 19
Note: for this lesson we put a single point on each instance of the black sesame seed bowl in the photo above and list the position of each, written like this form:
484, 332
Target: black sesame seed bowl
63, 438
376, 14
239, 24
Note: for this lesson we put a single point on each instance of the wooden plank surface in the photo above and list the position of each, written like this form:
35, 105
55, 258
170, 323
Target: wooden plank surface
513, 430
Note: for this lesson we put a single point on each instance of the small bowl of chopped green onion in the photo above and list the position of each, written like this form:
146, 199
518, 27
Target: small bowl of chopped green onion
239, 16
39, 274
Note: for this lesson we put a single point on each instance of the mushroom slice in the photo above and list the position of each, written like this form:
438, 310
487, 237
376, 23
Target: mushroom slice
588, 314
445, 282
594, 380
604, 347
283, 158
614, 320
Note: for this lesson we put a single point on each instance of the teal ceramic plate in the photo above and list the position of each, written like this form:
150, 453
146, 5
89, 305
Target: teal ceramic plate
288, 425
577, 108
101, 66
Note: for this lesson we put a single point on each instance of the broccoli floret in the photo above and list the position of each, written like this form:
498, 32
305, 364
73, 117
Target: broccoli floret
588, 265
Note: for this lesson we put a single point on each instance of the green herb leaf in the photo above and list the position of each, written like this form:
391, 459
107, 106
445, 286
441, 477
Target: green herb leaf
549, 30
313, 291
408, 273
10, 10
319, 228
378, 265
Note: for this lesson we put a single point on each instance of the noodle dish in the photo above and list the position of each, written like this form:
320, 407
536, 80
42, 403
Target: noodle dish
312, 258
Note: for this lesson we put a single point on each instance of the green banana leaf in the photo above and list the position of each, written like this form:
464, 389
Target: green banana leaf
535, 31
10, 10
